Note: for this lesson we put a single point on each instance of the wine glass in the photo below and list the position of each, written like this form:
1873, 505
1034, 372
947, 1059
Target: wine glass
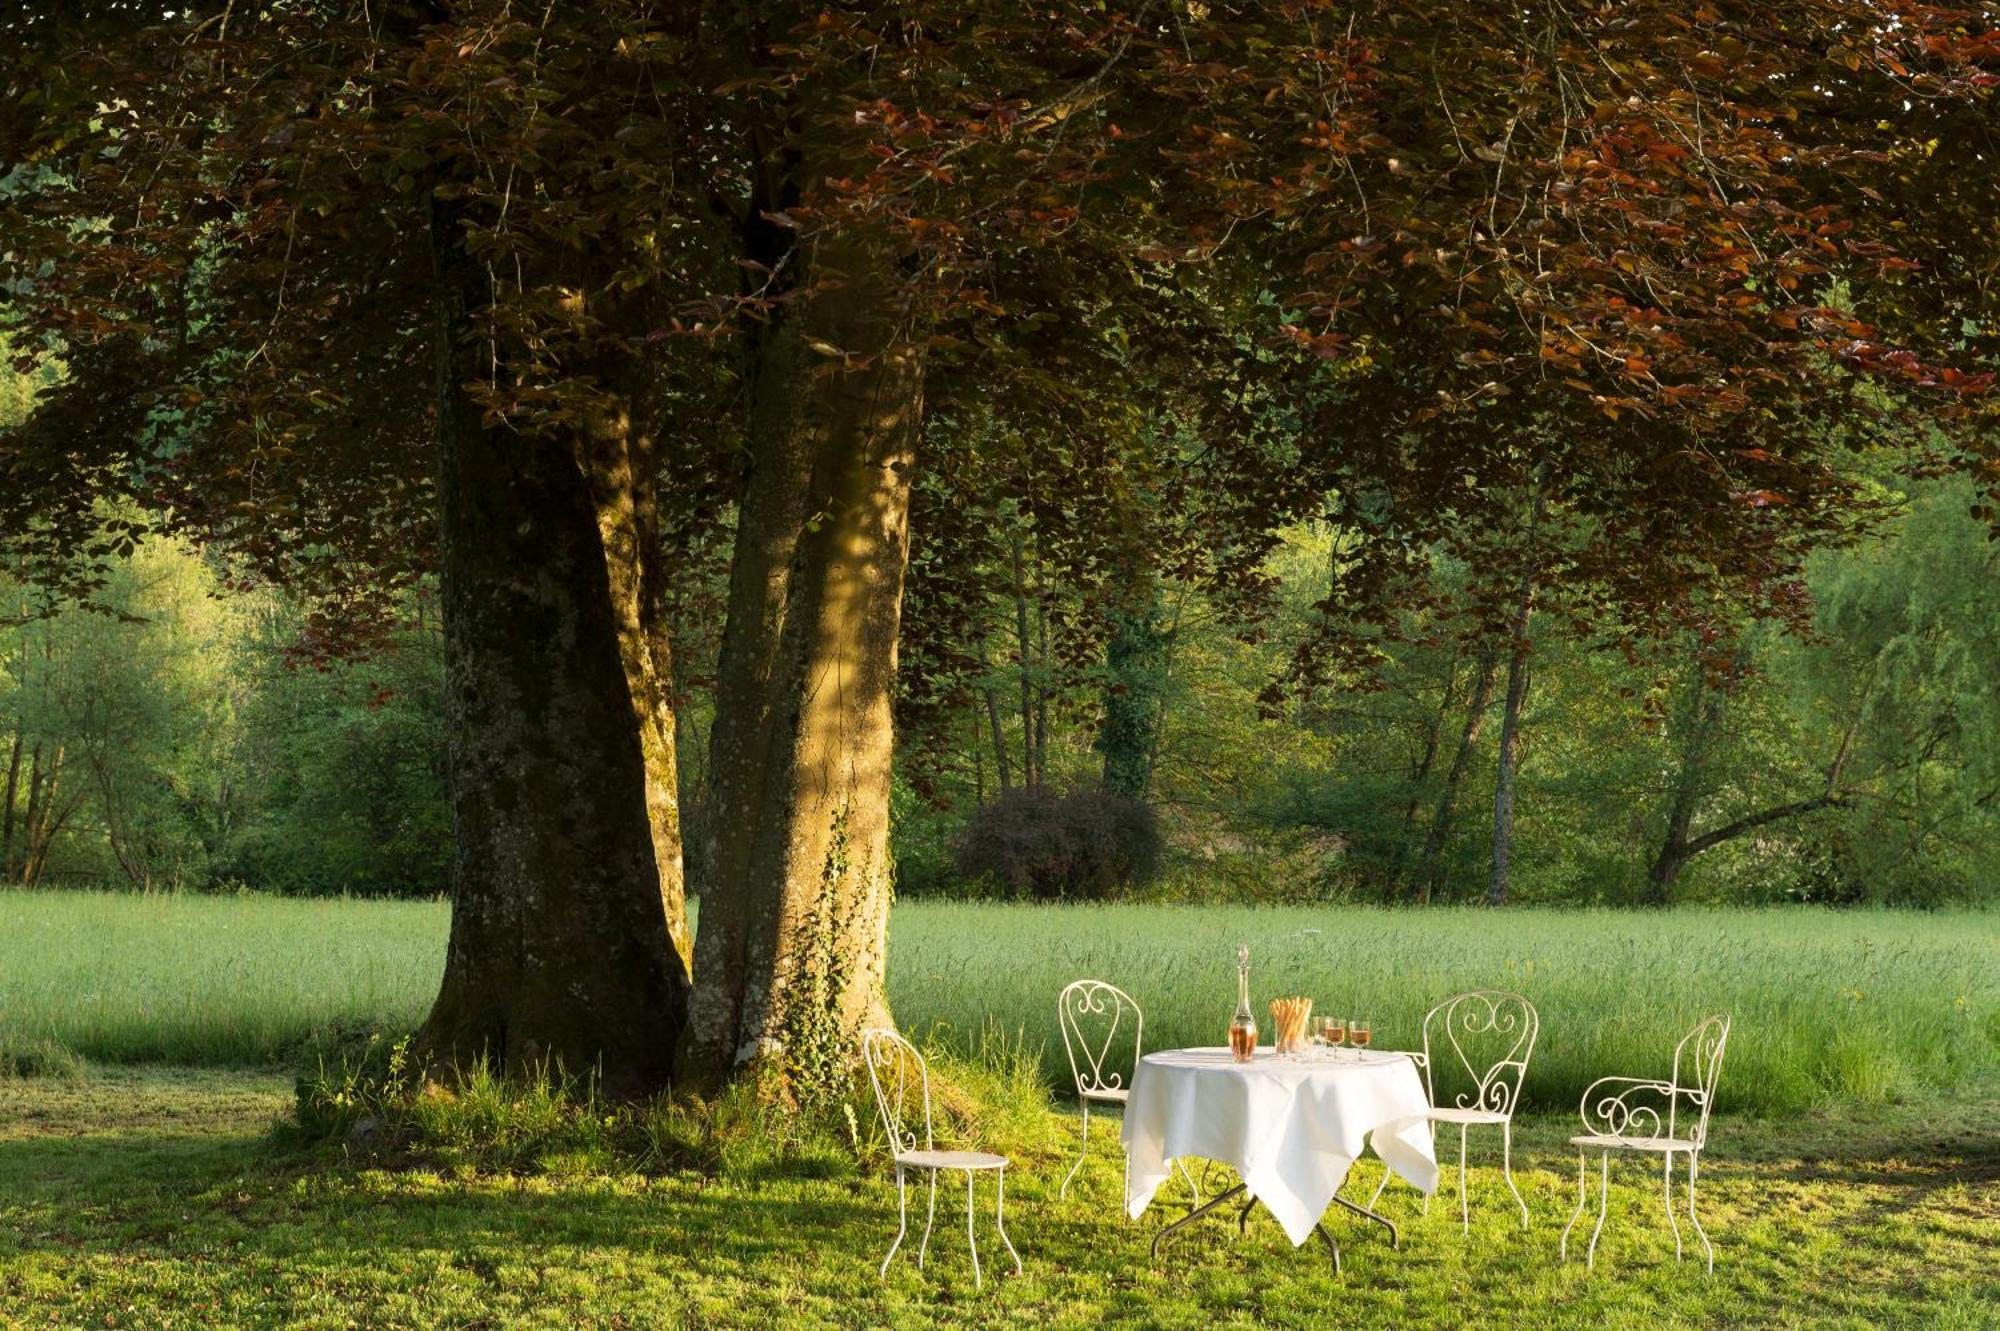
1333, 1030
1358, 1032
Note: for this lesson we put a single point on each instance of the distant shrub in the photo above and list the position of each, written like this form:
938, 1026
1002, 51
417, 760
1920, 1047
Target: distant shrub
1082, 845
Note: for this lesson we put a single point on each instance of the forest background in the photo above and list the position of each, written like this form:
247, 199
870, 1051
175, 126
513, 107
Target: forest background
185, 734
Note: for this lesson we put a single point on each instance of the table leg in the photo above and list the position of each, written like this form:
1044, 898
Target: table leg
1194, 1215
1395, 1239
1331, 1246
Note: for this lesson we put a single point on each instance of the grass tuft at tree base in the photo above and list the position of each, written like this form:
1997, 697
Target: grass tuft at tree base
360, 1095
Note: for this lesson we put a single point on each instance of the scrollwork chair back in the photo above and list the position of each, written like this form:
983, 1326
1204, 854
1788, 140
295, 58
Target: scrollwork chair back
1697, 1069
899, 1077
1091, 1013
1490, 1036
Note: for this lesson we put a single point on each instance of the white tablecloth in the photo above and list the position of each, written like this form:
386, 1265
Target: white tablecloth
1290, 1129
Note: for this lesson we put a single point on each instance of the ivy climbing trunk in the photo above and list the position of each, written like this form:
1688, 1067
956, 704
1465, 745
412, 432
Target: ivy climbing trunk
565, 869
794, 936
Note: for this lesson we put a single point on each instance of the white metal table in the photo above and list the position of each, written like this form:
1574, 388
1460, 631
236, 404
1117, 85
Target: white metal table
1291, 1129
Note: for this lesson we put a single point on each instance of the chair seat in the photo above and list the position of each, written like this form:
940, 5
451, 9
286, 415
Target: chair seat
951, 1160
1108, 1095
1465, 1116
1607, 1142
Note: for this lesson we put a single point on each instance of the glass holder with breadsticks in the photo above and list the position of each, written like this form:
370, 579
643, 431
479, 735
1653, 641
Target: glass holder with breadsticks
1291, 1017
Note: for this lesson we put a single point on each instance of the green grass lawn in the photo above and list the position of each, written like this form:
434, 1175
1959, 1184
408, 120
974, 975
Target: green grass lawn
1830, 1006
1853, 1178
155, 1198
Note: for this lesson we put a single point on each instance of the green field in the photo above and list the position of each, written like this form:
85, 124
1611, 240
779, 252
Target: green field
1830, 1007
1849, 1185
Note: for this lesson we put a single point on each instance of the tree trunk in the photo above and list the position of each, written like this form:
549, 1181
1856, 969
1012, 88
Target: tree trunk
1044, 669
564, 872
48, 815
32, 816
1129, 732
1433, 741
130, 861
1509, 766
804, 742
7, 809
1679, 846
1029, 776
999, 740
1001, 766
1497, 885
1702, 712
1430, 871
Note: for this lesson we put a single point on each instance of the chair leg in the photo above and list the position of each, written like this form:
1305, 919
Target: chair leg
1562, 1248
1377, 1195
1705, 1245
1000, 1218
929, 1220
1082, 1151
1464, 1210
1181, 1165
1667, 1192
902, 1221
978, 1281
1507, 1167
1603, 1204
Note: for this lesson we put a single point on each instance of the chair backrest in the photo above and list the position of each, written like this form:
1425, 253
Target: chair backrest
1091, 1013
1697, 1068
901, 1082
1490, 1034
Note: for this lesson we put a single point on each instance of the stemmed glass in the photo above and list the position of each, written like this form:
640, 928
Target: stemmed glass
1333, 1030
1358, 1032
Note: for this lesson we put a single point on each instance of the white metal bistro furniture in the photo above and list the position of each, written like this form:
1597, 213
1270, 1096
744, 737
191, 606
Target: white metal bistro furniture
900, 1077
1091, 1013
1290, 1128
1489, 1035
1634, 1114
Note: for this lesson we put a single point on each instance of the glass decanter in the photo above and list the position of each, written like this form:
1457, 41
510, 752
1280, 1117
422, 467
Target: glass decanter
1243, 1026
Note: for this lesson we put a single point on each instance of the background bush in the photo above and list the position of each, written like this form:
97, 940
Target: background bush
1082, 845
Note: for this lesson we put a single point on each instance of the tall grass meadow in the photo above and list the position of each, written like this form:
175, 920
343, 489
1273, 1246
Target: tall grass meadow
1828, 1005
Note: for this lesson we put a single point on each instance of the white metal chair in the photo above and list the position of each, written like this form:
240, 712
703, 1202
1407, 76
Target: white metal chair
898, 1074
1090, 1014
1634, 1114
1490, 1034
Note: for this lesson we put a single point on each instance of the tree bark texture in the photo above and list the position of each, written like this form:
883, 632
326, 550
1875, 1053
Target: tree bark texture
794, 932
564, 876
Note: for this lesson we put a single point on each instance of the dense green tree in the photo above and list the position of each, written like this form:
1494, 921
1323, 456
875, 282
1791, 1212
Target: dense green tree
361, 290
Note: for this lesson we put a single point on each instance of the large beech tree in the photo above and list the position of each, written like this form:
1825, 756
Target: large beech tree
357, 291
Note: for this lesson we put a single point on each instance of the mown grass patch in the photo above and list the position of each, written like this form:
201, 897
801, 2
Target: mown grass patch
158, 1199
